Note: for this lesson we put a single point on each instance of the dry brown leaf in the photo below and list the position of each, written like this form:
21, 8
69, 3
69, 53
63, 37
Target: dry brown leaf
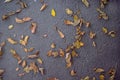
35, 55
68, 60
26, 69
10, 40
55, 53
61, 34
61, 52
39, 60
24, 41
98, 70
69, 11
21, 74
22, 4
112, 33
94, 44
44, 6
53, 45
18, 20
87, 24
72, 73
33, 27
52, 78
15, 55
17, 69
1, 48
2, 72
74, 53
86, 3
92, 35
34, 67
26, 19
68, 22
24, 63
49, 53
41, 70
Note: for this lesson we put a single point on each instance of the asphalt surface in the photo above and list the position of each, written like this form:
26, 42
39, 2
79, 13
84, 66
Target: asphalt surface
105, 55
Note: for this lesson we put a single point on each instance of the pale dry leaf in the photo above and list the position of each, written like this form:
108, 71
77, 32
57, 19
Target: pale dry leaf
44, 6
11, 41
33, 27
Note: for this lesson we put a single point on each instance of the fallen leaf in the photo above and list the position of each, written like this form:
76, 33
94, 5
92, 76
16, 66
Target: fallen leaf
11, 41
24, 63
44, 6
69, 11
98, 70
41, 70
61, 52
18, 20
53, 45
34, 67
68, 60
68, 22
7, 1
15, 55
39, 60
10, 27
33, 27
52, 78
72, 73
26, 19
2, 72
53, 12
86, 3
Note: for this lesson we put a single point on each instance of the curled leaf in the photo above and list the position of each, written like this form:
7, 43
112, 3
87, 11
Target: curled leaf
68, 22
34, 67
72, 73
15, 55
102, 14
78, 44
112, 33
68, 60
105, 30
27, 69
68, 11
35, 55
33, 27
18, 20
92, 35
24, 63
44, 6
61, 53
52, 78
1, 72
53, 12
86, 3
1, 48
4, 17
98, 70
53, 45
11, 41
39, 60
24, 41
22, 4
41, 70
26, 19
74, 53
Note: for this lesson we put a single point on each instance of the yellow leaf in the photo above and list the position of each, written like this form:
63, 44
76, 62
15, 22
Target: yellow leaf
53, 13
